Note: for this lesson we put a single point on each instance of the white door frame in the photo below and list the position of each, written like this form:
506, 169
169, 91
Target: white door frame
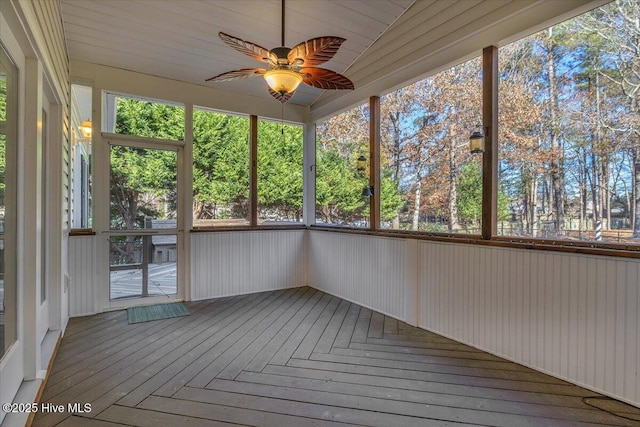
103, 230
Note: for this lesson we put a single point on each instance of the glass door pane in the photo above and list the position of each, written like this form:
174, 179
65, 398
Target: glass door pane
3, 144
8, 121
143, 250
143, 188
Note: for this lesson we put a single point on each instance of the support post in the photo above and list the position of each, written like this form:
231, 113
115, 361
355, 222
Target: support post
253, 167
490, 157
309, 176
374, 162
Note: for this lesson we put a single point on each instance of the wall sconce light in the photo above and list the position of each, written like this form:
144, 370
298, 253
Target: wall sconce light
367, 191
361, 164
476, 141
85, 129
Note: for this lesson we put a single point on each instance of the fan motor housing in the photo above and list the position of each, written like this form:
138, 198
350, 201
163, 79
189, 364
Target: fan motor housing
281, 52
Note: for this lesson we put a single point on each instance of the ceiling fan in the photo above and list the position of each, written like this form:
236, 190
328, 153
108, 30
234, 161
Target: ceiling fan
289, 67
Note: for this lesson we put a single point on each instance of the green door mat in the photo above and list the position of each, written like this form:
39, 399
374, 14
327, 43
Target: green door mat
156, 312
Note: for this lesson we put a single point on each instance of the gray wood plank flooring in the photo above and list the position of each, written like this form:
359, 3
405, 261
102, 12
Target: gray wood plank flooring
299, 357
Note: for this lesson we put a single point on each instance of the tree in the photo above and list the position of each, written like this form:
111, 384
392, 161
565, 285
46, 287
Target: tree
615, 28
339, 185
470, 199
279, 171
220, 165
143, 181
340, 141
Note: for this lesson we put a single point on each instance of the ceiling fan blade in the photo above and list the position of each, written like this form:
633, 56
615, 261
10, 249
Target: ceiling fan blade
282, 97
325, 79
315, 51
248, 48
237, 74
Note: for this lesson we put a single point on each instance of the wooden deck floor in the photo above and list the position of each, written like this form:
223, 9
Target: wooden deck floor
299, 357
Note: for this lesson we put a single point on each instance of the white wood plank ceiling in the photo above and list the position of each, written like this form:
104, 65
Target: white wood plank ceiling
388, 42
178, 39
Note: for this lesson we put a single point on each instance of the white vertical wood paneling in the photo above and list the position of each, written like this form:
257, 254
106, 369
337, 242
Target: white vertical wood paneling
64, 298
573, 316
232, 263
371, 271
82, 275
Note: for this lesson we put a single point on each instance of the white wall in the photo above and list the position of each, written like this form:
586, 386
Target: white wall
376, 272
83, 279
222, 264
233, 263
572, 316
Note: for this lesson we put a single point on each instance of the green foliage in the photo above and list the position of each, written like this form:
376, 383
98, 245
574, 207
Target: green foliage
470, 195
279, 171
149, 119
390, 197
136, 172
3, 98
220, 165
339, 186
143, 182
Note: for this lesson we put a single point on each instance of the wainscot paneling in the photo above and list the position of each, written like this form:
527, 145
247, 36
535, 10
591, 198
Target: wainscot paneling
232, 263
573, 316
82, 275
376, 272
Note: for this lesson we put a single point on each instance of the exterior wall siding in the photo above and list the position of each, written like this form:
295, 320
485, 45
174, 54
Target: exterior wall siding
33, 33
49, 34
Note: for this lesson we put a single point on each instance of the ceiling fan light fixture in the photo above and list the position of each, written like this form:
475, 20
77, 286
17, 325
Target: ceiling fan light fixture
289, 66
283, 80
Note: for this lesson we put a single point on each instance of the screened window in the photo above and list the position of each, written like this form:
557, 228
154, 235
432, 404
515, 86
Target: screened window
569, 147
340, 141
146, 118
279, 172
81, 137
429, 179
220, 169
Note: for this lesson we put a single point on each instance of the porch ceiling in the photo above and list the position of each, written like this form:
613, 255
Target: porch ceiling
388, 42
178, 39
